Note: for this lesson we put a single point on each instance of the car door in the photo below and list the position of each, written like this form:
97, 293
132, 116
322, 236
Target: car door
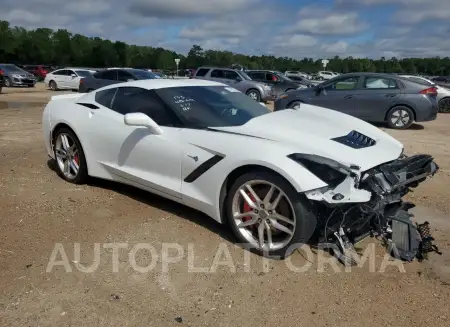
257, 76
134, 154
60, 77
375, 97
337, 94
73, 80
233, 79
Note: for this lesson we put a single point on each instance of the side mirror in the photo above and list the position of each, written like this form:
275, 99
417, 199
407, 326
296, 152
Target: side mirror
140, 119
73, 75
239, 79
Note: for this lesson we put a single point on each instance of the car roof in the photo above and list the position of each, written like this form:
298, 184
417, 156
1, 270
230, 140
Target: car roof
371, 74
212, 67
151, 84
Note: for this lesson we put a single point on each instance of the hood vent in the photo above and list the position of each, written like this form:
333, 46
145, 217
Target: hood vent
355, 140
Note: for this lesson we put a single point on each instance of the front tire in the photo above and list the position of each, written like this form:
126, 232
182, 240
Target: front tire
266, 213
254, 94
7, 82
400, 117
70, 160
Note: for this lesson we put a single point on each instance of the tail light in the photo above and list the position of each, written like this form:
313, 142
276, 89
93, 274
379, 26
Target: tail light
81, 81
1, 72
430, 91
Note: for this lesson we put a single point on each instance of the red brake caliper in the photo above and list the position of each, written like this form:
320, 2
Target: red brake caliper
77, 159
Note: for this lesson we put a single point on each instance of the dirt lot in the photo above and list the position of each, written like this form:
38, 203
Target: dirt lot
38, 210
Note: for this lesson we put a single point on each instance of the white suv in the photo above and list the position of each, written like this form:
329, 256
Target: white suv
325, 75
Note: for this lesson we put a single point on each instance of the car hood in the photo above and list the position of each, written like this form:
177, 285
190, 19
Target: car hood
311, 130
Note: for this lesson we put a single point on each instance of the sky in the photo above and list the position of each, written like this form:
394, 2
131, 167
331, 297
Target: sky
292, 28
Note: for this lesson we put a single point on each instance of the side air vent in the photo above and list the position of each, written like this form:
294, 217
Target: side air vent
88, 105
355, 140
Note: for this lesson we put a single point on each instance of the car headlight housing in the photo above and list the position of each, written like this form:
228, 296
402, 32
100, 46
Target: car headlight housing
267, 87
330, 171
16, 75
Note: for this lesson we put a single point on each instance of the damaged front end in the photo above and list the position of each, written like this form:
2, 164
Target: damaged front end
361, 204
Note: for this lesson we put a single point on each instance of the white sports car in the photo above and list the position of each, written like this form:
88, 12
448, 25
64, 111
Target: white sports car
279, 179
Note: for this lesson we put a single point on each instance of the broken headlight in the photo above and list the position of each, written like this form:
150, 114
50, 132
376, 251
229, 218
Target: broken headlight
330, 171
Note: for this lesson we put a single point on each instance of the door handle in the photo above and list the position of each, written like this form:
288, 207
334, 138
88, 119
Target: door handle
348, 97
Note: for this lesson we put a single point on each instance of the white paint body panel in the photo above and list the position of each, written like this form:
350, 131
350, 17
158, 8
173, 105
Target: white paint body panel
160, 163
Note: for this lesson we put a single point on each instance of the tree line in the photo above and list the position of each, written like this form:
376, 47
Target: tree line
63, 48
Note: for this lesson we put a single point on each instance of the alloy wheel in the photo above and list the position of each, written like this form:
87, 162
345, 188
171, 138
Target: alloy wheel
400, 118
264, 215
253, 95
67, 156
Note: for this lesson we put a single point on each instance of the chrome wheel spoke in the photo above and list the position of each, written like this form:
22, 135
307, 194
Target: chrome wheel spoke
280, 227
66, 169
269, 236
60, 153
268, 196
277, 216
261, 229
275, 202
248, 200
65, 142
74, 166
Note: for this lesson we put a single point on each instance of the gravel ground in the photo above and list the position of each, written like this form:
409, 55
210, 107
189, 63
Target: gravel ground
39, 210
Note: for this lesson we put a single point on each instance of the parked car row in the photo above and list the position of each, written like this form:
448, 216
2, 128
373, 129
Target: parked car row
16, 76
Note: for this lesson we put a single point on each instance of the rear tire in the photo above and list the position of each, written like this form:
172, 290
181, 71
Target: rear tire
400, 117
290, 221
254, 94
444, 105
53, 86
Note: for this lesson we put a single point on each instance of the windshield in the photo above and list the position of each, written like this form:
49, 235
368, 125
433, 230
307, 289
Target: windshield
211, 106
282, 76
83, 73
12, 68
143, 74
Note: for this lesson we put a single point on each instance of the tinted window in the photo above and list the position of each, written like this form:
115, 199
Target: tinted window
217, 73
11, 68
229, 74
83, 73
271, 77
211, 106
379, 83
105, 97
258, 76
59, 72
135, 99
124, 76
70, 72
347, 83
143, 74
201, 72
107, 74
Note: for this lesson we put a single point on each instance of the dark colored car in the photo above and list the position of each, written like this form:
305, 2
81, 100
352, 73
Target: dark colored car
278, 81
442, 81
371, 97
16, 76
113, 76
301, 80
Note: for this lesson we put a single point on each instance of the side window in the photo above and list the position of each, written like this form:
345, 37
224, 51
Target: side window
257, 76
271, 77
202, 72
217, 73
107, 74
124, 76
105, 97
347, 83
229, 74
61, 72
135, 99
419, 80
379, 83
70, 72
